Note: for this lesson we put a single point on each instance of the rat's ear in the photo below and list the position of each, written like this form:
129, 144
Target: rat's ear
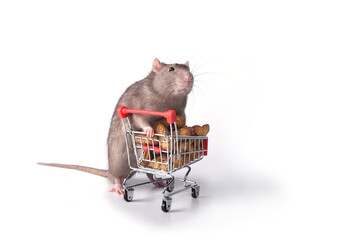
156, 66
187, 64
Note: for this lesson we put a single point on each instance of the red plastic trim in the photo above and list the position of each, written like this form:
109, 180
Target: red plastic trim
156, 149
206, 146
124, 112
170, 116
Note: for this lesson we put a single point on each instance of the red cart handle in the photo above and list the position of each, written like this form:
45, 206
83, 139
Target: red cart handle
124, 112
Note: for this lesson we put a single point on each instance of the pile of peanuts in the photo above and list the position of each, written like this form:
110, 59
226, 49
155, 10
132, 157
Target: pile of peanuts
162, 127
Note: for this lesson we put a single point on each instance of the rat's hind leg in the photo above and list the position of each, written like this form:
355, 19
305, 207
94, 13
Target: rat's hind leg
157, 184
118, 164
118, 188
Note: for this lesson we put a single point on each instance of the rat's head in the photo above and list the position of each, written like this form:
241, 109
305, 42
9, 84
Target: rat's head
176, 78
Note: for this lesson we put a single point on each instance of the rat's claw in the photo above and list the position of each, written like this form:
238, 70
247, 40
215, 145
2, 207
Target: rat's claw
117, 189
160, 184
149, 131
156, 184
192, 131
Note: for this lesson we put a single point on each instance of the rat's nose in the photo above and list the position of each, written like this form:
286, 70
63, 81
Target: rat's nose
188, 79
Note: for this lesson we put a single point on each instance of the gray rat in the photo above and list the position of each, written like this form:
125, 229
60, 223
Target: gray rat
166, 87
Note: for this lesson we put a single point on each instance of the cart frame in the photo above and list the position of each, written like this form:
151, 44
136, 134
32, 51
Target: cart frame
176, 152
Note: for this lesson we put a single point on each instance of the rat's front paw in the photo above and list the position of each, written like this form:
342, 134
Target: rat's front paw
149, 131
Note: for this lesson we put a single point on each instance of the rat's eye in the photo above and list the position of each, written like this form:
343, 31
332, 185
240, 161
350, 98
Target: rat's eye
171, 69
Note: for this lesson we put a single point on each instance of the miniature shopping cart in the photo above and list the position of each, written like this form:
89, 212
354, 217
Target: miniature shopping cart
162, 155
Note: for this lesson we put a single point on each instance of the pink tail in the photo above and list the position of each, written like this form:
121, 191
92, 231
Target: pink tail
99, 172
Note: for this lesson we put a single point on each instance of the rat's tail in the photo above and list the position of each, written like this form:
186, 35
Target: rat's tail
99, 172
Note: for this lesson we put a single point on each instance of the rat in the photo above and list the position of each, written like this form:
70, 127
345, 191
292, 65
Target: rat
166, 87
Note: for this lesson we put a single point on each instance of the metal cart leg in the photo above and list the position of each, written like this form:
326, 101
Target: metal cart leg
195, 191
170, 184
168, 191
128, 194
166, 204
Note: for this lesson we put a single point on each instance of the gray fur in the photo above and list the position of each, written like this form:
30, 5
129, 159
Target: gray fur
157, 92
161, 90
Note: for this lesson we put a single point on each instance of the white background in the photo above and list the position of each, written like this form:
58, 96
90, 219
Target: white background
278, 83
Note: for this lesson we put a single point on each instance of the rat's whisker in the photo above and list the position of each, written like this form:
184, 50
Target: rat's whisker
164, 99
200, 82
198, 89
178, 74
194, 67
199, 74
201, 66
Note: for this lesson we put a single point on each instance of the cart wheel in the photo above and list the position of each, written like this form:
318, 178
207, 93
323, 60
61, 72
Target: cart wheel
195, 191
166, 204
128, 194
170, 187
